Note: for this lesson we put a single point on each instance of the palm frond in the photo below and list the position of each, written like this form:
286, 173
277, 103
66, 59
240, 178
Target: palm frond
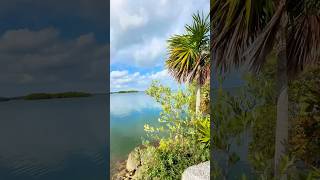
201, 70
303, 43
181, 57
235, 25
185, 50
263, 44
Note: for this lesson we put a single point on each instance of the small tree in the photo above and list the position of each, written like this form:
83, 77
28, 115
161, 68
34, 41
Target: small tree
188, 59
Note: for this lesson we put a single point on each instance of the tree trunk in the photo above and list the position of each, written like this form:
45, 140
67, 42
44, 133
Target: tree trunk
282, 125
198, 97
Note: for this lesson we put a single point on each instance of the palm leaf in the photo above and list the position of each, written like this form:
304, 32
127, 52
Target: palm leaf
264, 43
303, 43
201, 70
235, 25
186, 50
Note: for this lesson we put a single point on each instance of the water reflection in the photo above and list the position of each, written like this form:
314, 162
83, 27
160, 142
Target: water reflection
129, 113
125, 104
53, 139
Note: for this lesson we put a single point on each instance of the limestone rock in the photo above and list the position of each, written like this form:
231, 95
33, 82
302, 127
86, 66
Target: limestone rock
197, 172
133, 161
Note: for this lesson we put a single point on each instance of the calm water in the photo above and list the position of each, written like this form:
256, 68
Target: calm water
59, 139
128, 114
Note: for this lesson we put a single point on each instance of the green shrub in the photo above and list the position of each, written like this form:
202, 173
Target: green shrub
183, 138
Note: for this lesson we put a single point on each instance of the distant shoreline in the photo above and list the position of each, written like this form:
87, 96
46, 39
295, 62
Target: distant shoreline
125, 92
39, 96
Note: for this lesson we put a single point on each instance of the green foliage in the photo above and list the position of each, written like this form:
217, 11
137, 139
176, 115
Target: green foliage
262, 89
313, 174
253, 109
305, 131
204, 129
304, 93
205, 99
182, 138
171, 158
188, 53
231, 119
235, 24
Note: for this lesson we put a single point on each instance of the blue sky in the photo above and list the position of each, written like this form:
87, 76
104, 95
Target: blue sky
138, 33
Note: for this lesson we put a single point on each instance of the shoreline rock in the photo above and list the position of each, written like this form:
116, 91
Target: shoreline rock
197, 172
129, 169
134, 160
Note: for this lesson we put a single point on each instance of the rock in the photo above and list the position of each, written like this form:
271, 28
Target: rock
197, 172
137, 174
133, 161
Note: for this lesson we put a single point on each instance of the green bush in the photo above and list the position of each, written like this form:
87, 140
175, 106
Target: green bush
254, 108
183, 138
304, 94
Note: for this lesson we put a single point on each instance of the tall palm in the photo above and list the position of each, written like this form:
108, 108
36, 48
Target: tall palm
188, 59
246, 31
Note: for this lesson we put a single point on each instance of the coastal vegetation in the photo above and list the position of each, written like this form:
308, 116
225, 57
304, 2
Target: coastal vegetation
189, 59
37, 96
182, 137
246, 33
123, 92
274, 115
250, 114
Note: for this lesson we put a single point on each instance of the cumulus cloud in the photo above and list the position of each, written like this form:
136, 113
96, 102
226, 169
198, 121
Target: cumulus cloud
124, 80
149, 50
43, 61
25, 39
139, 29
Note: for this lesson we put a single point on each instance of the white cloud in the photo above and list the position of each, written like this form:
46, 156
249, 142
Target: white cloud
123, 80
160, 75
148, 52
144, 54
118, 74
133, 20
124, 18
139, 29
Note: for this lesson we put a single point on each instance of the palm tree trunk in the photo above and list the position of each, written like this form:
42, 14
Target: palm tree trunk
198, 98
282, 125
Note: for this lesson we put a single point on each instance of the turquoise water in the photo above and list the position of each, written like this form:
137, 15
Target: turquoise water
57, 139
128, 114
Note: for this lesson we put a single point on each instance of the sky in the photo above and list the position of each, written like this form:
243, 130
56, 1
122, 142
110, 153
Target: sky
139, 30
53, 46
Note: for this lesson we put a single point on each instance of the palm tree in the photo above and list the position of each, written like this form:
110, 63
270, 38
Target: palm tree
188, 59
246, 31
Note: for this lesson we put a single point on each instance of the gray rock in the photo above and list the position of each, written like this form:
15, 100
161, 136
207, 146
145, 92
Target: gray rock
133, 161
197, 172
